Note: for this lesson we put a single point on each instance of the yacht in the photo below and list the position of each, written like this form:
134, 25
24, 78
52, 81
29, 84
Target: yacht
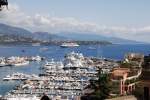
53, 65
16, 76
21, 97
2, 64
74, 60
69, 44
8, 77
17, 61
23, 63
36, 58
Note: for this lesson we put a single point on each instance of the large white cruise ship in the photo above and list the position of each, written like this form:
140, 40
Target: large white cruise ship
69, 44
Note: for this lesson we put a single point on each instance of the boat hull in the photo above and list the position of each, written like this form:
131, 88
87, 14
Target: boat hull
22, 64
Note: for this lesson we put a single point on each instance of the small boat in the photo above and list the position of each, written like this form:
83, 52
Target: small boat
21, 63
2, 64
37, 58
7, 78
49, 65
53, 65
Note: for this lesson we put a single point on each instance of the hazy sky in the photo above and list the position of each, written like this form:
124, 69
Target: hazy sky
119, 18
105, 12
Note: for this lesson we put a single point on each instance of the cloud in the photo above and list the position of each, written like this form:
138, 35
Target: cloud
16, 17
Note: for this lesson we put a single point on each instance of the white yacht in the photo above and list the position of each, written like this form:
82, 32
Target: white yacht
2, 64
17, 61
69, 44
49, 64
23, 63
21, 97
53, 65
16, 76
36, 58
74, 60
7, 78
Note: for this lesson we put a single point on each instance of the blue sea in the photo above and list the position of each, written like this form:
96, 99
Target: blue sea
109, 51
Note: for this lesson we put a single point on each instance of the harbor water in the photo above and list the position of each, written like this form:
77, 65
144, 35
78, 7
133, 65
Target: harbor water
57, 53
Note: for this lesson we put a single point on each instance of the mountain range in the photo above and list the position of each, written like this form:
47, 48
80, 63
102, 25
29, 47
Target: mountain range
97, 37
12, 33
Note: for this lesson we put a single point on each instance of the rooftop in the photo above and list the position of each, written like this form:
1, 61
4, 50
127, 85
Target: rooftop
120, 71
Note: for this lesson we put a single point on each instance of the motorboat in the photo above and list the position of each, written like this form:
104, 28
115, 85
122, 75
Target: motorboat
2, 64
53, 65
22, 63
36, 58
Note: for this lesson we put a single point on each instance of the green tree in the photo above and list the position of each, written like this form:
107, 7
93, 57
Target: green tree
102, 86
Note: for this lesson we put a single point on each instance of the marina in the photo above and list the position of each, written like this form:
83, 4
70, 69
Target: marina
57, 75
67, 78
52, 83
74, 50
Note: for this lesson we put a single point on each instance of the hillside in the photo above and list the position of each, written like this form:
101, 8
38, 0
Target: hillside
9, 34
